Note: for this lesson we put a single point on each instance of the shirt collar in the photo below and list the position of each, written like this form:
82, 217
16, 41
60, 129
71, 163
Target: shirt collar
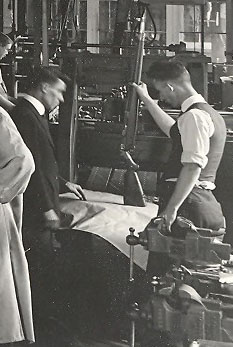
192, 100
36, 103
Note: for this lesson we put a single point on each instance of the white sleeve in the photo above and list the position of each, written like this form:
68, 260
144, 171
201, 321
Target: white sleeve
196, 128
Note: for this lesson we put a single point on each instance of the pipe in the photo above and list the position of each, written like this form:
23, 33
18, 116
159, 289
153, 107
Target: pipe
45, 53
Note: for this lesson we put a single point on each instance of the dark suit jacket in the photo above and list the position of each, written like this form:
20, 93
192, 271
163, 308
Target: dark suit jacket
43, 190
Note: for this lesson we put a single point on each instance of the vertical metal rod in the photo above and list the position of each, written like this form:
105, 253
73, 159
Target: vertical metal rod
15, 16
14, 63
194, 26
131, 257
131, 280
73, 128
132, 336
202, 29
36, 9
1, 15
131, 253
45, 46
229, 31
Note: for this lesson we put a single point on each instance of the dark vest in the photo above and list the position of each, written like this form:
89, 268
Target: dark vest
217, 143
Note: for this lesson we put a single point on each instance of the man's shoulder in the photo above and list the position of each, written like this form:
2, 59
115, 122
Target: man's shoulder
194, 116
195, 112
197, 120
22, 102
22, 109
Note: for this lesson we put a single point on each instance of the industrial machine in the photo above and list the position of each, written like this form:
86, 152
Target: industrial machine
193, 300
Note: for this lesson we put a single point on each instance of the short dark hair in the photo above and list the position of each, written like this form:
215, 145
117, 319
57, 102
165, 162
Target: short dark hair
5, 40
45, 74
166, 70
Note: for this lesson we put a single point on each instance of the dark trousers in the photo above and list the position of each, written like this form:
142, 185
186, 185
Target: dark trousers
200, 207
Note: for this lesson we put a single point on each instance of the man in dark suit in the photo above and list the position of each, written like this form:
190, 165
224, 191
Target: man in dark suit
41, 199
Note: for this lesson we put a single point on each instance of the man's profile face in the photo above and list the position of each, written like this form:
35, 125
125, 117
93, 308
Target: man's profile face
166, 92
4, 50
53, 94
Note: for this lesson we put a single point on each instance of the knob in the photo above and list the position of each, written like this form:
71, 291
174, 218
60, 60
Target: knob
133, 312
131, 239
155, 283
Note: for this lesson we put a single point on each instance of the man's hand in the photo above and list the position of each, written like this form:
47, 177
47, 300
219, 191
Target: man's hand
51, 220
47, 236
169, 216
76, 189
187, 179
142, 91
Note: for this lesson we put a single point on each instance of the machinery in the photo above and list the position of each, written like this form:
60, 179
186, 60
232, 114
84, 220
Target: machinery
182, 314
193, 301
187, 244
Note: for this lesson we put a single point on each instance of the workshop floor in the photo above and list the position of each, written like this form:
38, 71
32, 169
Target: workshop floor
87, 295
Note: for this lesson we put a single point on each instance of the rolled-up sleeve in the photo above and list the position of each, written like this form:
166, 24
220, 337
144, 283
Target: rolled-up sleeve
196, 128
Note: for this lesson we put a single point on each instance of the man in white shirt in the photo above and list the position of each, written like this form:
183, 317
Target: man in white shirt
198, 137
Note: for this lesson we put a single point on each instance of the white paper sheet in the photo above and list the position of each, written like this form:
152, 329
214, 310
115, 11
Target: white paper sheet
105, 215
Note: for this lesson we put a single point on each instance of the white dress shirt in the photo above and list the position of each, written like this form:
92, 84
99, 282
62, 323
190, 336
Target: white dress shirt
196, 127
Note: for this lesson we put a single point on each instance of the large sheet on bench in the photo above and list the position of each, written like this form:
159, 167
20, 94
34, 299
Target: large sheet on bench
105, 215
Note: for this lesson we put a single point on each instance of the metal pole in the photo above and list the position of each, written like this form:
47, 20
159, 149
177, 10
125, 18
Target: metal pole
132, 335
45, 53
229, 31
14, 62
1, 16
73, 128
131, 257
202, 29
15, 16
37, 23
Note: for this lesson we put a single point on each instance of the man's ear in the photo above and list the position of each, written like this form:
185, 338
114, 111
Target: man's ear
44, 87
170, 87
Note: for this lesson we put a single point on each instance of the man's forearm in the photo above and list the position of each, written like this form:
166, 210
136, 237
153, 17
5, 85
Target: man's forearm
163, 120
185, 183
